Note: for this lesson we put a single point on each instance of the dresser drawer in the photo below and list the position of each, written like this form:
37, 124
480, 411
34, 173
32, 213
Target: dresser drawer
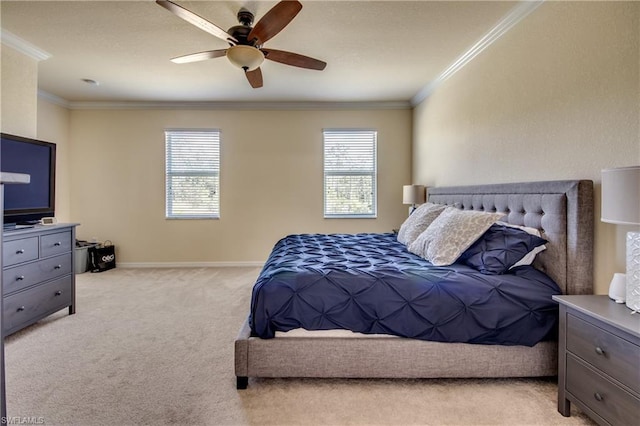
607, 352
610, 401
23, 276
18, 251
21, 308
52, 244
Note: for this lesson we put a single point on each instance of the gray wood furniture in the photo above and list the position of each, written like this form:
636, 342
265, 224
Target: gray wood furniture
38, 276
5, 178
599, 359
562, 210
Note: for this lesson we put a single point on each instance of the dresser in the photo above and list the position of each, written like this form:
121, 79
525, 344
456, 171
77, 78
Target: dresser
599, 359
37, 274
5, 178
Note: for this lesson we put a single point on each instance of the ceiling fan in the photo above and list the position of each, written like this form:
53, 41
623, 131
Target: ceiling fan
246, 49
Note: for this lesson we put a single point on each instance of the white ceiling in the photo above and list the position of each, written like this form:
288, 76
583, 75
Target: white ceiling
376, 51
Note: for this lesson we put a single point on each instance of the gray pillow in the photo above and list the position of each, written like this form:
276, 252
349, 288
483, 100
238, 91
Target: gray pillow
418, 221
451, 233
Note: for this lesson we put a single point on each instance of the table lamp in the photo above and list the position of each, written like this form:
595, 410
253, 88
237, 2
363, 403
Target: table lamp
621, 206
413, 194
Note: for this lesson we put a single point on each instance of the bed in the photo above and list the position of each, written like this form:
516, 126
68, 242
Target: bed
561, 210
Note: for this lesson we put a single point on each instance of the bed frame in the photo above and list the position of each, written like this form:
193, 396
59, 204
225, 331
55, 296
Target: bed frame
561, 210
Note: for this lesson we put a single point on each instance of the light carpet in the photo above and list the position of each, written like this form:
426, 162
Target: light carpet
155, 347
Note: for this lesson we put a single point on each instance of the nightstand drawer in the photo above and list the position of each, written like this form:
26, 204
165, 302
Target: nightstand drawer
52, 244
611, 354
611, 402
35, 303
23, 276
18, 251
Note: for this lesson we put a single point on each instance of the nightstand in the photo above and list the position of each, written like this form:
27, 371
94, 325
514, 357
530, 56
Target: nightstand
599, 359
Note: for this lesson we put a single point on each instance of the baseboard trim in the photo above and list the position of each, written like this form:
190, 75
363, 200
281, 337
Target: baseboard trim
253, 264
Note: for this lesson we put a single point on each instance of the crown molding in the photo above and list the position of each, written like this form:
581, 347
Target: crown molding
11, 40
224, 105
239, 105
54, 99
517, 14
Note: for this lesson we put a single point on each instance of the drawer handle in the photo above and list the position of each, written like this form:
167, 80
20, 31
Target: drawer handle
600, 351
20, 278
59, 293
57, 267
21, 251
58, 244
598, 397
20, 309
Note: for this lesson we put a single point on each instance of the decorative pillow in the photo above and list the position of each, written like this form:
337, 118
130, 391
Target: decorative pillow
451, 233
528, 258
499, 249
418, 221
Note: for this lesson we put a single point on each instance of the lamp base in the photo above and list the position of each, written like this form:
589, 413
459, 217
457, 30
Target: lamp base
618, 288
633, 271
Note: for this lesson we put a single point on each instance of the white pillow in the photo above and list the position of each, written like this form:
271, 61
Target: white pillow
418, 221
527, 229
451, 233
528, 258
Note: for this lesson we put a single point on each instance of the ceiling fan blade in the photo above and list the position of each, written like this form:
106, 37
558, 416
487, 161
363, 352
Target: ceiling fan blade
274, 21
293, 59
200, 56
255, 78
196, 20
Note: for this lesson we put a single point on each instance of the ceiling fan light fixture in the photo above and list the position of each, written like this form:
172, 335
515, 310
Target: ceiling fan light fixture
247, 58
246, 42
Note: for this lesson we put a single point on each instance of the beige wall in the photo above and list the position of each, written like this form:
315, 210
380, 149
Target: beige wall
23, 113
18, 93
557, 97
53, 126
271, 180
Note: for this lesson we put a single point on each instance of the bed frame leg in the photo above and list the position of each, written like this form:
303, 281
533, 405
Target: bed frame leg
242, 382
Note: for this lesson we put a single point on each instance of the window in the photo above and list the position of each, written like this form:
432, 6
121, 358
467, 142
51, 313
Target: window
349, 173
192, 174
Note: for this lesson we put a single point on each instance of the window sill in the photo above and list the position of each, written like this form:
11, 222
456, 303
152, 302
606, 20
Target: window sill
350, 216
193, 218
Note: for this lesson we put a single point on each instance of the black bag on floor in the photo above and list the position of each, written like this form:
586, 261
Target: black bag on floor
102, 257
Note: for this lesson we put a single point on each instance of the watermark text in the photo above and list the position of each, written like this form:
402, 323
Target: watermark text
17, 420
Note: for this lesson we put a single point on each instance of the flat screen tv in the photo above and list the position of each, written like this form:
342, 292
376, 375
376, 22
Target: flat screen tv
28, 203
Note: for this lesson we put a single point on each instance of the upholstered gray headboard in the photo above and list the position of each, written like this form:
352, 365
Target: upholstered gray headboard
561, 210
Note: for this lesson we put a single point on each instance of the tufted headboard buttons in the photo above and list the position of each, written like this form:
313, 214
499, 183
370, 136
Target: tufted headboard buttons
561, 210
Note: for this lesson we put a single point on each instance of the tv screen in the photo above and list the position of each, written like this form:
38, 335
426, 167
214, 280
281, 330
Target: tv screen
28, 203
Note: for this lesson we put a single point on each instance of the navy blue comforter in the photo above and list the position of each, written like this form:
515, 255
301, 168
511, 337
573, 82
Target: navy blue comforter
370, 283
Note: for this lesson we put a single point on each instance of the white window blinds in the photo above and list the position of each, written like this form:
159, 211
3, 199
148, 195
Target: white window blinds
350, 173
192, 174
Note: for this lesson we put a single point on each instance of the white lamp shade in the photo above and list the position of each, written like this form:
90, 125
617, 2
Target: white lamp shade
246, 57
621, 195
413, 194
